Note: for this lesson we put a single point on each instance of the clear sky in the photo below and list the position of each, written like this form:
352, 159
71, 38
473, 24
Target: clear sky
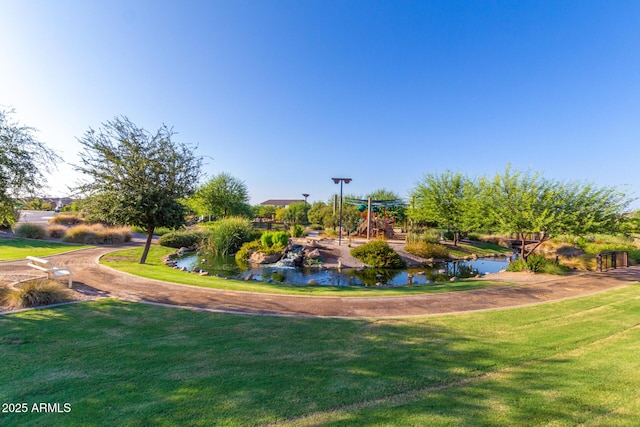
287, 94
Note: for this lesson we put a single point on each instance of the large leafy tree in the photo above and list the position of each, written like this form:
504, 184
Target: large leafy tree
221, 196
447, 199
23, 159
522, 203
138, 177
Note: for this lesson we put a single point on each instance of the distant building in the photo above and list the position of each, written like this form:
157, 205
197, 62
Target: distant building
281, 203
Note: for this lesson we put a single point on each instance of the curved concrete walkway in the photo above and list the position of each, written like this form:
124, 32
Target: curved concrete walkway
94, 280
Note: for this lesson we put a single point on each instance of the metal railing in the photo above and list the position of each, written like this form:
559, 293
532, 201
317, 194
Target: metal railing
612, 259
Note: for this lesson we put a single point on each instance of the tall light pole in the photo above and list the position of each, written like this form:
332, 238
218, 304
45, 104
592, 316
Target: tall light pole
305, 195
340, 181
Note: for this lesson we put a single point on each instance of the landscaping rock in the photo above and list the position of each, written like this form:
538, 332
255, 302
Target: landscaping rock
261, 258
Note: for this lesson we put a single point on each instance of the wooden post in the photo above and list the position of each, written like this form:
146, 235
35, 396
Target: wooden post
369, 219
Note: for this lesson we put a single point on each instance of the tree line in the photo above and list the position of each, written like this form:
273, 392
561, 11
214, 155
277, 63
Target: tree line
147, 179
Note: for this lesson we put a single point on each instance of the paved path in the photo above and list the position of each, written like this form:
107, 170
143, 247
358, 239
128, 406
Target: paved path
93, 280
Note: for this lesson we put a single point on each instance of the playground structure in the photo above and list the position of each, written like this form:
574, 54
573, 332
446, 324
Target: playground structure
374, 219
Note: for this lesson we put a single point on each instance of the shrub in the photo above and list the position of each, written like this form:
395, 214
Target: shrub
429, 235
31, 231
114, 235
36, 293
280, 239
316, 227
67, 219
57, 231
427, 250
228, 235
536, 263
247, 249
297, 231
182, 238
379, 254
266, 239
97, 234
81, 234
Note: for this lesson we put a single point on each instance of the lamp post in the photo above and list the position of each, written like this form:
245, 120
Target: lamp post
305, 195
340, 181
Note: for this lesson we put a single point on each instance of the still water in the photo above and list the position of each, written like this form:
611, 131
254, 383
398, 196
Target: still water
438, 272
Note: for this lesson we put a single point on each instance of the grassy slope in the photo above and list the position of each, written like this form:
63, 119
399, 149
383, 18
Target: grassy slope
19, 248
564, 363
127, 260
479, 249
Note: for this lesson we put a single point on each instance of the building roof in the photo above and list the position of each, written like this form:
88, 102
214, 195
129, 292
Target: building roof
280, 202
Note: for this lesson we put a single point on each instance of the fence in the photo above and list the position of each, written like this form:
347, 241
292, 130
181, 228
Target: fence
613, 259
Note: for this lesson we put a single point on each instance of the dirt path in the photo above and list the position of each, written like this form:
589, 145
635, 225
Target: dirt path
93, 280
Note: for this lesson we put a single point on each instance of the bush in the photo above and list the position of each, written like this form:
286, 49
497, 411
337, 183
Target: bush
275, 239
228, 235
537, 263
31, 231
297, 231
428, 250
57, 231
36, 293
67, 219
430, 235
247, 249
379, 254
97, 234
266, 239
182, 238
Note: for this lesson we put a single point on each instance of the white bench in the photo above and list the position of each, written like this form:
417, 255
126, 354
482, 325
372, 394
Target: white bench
47, 267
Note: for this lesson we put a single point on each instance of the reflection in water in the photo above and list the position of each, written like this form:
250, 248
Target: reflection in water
438, 272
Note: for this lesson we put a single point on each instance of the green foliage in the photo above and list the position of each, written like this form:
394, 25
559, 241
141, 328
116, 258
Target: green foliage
222, 196
247, 249
526, 202
31, 231
427, 250
9, 215
448, 199
429, 235
280, 239
266, 239
23, 159
34, 294
228, 235
138, 178
537, 263
182, 238
297, 231
377, 253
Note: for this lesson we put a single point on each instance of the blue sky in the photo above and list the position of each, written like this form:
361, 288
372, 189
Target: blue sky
286, 95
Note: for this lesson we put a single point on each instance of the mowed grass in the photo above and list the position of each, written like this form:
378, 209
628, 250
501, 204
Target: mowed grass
19, 248
127, 260
480, 249
573, 362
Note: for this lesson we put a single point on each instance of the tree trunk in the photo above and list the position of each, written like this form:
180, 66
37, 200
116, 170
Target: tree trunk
147, 245
456, 237
523, 251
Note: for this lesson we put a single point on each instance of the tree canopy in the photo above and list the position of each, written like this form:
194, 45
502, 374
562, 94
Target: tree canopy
23, 159
520, 203
221, 196
138, 177
448, 199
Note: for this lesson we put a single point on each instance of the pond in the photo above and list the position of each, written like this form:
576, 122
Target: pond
437, 272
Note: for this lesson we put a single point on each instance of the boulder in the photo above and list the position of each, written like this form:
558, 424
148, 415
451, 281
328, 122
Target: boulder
313, 254
261, 258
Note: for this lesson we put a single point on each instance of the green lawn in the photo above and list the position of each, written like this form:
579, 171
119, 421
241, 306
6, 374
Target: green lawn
127, 261
573, 362
19, 248
480, 249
